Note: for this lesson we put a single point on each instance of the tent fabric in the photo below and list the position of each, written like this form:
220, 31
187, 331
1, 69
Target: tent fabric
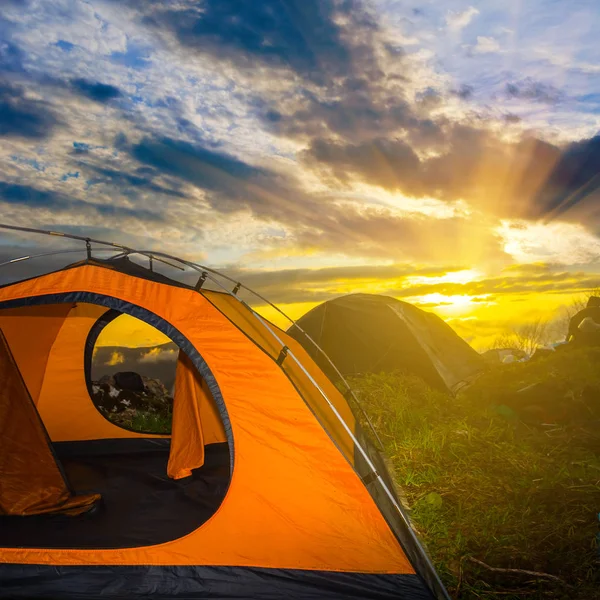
196, 421
295, 507
31, 332
31, 481
366, 333
202, 582
282, 453
250, 326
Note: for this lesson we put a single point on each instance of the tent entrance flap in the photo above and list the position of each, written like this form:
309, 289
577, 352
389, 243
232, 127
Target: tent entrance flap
32, 481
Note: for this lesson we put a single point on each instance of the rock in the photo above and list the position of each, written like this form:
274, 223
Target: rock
154, 387
107, 379
105, 396
113, 394
129, 380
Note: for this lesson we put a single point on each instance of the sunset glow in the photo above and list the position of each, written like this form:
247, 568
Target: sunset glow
445, 155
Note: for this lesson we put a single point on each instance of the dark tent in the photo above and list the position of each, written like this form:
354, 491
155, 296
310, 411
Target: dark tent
365, 333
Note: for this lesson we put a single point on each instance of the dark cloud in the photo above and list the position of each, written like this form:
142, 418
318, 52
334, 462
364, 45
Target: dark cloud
140, 180
157, 362
231, 183
11, 57
529, 179
354, 109
201, 166
465, 92
429, 98
574, 180
31, 197
557, 283
394, 165
302, 35
315, 222
319, 285
96, 91
389, 163
537, 91
24, 117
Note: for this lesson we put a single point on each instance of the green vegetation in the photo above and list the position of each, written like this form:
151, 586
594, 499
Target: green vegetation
143, 421
511, 480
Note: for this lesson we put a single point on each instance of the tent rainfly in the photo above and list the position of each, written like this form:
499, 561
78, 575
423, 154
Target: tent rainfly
367, 333
266, 486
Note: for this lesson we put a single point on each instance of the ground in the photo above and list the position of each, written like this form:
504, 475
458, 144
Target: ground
495, 479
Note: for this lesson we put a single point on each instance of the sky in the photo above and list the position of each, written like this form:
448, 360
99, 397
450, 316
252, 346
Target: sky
442, 152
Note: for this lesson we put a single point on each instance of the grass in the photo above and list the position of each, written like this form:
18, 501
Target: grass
488, 477
143, 421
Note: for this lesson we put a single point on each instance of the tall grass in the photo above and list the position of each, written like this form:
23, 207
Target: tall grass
483, 485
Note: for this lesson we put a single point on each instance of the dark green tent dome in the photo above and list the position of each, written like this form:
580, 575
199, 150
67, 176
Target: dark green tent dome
366, 333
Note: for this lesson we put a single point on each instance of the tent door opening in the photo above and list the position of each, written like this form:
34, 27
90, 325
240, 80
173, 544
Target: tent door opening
60, 456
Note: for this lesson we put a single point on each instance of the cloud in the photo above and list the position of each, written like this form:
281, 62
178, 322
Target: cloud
458, 20
526, 179
264, 122
292, 286
141, 179
537, 91
159, 354
573, 183
392, 164
132, 359
116, 358
202, 166
96, 91
302, 35
11, 57
24, 117
32, 198
486, 45
555, 242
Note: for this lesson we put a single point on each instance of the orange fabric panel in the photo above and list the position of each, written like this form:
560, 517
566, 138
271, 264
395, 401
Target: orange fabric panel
31, 482
244, 319
196, 420
30, 332
293, 501
64, 402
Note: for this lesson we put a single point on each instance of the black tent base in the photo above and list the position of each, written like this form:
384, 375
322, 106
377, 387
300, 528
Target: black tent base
140, 505
195, 583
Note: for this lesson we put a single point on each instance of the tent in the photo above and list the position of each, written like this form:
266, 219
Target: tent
367, 333
265, 488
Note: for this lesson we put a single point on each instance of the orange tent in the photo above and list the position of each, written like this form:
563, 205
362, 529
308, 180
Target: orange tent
265, 488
